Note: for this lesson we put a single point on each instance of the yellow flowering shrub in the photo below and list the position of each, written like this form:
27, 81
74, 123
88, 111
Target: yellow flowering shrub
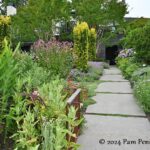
4, 27
81, 44
92, 44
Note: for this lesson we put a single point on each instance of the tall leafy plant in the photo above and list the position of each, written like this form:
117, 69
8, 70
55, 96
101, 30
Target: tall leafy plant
92, 44
27, 134
8, 76
54, 118
54, 134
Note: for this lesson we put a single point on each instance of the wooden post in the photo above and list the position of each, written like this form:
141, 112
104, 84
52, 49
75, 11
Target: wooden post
74, 101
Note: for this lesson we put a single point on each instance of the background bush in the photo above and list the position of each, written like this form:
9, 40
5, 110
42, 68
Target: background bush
91, 75
141, 79
127, 66
140, 74
92, 44
139, 39
142, 92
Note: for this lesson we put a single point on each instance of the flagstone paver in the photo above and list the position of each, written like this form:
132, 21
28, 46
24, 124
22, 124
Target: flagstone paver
114, 129
112, 71
114, 87
118, 78
115, 104
108, 119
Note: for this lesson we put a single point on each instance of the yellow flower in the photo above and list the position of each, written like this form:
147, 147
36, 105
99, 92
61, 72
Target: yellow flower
5, 20
93, 32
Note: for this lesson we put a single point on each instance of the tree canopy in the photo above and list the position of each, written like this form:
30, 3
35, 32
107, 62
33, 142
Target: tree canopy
102, 12
35, 19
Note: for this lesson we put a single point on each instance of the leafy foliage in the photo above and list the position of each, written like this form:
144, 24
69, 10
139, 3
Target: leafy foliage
142, 93
92, 74
33, 105
137, 23
54, 134
139, 77
36, 18
140, 74
139, 40
101, 11
92, 44
128, 66
8, 76
27, 134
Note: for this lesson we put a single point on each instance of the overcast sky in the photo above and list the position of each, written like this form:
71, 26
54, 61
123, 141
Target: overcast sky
139, 8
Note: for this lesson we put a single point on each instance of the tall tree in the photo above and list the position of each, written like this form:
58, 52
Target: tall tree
36, 18
102, 12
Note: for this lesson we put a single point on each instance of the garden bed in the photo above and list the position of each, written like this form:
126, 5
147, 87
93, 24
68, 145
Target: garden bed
73, 101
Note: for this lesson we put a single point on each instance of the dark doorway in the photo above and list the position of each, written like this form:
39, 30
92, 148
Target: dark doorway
111, 54
26, 46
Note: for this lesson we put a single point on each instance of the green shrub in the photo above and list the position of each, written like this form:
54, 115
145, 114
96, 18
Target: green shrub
122, 63
130, 69
25, 62
92, 44
140, 73
91, 75
8, 76
139, 39
127, 66
31, 71
142, 93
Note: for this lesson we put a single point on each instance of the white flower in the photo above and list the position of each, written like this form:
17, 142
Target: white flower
144, 65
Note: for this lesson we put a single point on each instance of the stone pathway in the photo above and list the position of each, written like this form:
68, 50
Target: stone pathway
115, 122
